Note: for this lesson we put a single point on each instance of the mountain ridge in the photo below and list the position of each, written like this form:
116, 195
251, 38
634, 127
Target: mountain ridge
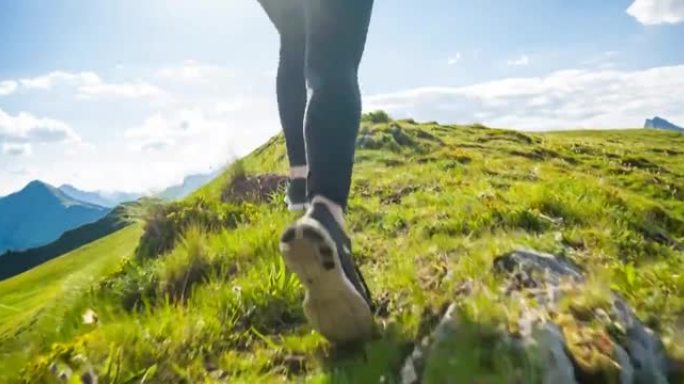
660, 123
104, 199
189, 184
39, 213
15, 262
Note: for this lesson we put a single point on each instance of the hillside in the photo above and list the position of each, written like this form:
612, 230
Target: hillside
206, 298
39, 214
15, 262
32, 304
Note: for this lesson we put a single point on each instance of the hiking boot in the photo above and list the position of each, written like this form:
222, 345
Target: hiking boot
295, 196
337, 302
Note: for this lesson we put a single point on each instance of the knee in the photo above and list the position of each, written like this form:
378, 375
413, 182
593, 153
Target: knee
332, 80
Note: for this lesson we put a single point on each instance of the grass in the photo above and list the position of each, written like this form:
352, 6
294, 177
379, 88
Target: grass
38, 298
207, 299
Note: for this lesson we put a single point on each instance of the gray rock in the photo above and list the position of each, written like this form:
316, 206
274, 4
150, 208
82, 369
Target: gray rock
400, 136
558, 368
412, 369
626, 368
645, 349
530, 262
89, 377
640, 353
647, 361
367, 142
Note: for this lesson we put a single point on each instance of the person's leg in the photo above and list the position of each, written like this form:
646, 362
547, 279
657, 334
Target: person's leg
336, 36
316, 247
289, 19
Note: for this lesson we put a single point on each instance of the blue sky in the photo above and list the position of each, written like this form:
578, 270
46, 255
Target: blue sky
132, 95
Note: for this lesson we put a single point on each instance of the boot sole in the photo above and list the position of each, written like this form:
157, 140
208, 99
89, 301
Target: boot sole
332, 305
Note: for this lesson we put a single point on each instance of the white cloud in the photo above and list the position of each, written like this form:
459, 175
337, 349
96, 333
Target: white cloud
560, 100
54, 78
455, 59
16, 149
89, 85
159, 132
603, 60
192, 71
18, 171
207, 117
521, 61
123, 90
26, 128
7, 87
653, 12
175, 143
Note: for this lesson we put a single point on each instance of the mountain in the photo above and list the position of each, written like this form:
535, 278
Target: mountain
15, 262
660, 123
39, 214
104, 199
189, 185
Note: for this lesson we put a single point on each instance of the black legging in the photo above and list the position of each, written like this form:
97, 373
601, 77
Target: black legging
321, 44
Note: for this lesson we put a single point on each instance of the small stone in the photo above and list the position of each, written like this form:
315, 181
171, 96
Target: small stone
408, 374
65, 374
89, 377
89, 317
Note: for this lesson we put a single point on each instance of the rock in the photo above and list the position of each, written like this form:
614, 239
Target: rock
412, 369
400, 136
645, 349
89, 377
531, 261
626, 368
367, 142
558, 367
545, 278
409, 372
641, 355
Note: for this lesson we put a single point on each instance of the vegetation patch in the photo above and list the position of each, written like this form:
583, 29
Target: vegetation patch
255, 189
165, 222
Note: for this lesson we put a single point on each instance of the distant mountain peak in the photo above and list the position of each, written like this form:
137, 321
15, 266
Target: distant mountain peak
105, 199
37, 189
39, 213
37, 184
189, 184
660, 123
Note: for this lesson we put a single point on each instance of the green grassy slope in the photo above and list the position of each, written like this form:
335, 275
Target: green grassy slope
207, 298
34, 301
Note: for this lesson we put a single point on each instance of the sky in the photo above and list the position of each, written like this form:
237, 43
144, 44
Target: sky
133, 95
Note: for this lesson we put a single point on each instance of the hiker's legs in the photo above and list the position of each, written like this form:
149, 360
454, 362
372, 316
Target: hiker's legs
316, 248
336, 35
288, 17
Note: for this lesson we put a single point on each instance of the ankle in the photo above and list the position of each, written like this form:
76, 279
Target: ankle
335, 209
299, 172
